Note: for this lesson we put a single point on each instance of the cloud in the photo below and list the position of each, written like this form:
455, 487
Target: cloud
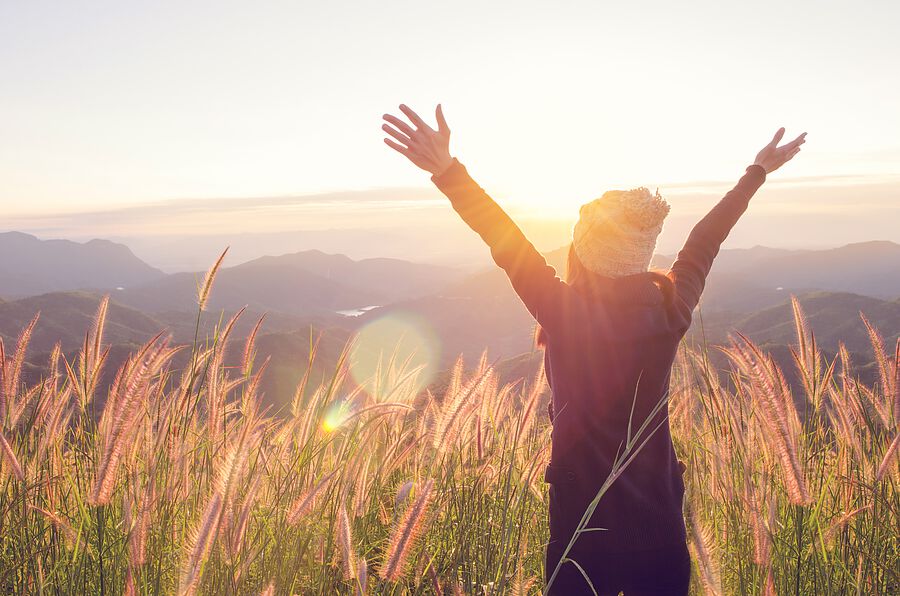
341, 209
837, 180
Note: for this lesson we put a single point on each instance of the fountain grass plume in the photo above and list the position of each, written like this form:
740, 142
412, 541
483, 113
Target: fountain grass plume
404, 536
344, 540
205, 288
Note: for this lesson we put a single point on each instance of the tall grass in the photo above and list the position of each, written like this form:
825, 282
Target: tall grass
182, 483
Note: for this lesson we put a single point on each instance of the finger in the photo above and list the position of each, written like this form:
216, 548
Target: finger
400, 124
442, 122
778, 136
414, 118
397, 135
789, 156
797, 142
397, 147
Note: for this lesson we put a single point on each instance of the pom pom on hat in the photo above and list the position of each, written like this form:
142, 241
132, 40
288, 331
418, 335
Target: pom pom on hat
616, 234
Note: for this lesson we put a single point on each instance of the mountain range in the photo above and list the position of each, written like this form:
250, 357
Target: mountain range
304, 283
313, 293
301, 282
31, 266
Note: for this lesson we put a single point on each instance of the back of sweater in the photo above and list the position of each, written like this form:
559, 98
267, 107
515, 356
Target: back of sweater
608, 360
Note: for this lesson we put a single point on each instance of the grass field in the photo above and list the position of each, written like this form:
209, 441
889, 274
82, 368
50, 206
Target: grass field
183, 485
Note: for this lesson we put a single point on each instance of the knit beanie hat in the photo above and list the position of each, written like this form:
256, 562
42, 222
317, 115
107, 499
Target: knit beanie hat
616, 234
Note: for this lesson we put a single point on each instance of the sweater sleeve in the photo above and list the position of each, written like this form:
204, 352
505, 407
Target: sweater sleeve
532, 278
695, 259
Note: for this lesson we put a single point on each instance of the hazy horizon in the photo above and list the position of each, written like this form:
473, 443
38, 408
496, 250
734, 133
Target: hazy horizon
189, 234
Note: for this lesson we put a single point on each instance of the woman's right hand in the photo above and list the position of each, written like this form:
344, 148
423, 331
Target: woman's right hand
773, 157
427, 148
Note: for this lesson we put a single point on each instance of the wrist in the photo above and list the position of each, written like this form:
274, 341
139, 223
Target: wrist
443, 166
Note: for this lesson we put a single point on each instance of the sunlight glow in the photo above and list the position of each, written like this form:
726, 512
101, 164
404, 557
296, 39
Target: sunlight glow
338, 413
390, 346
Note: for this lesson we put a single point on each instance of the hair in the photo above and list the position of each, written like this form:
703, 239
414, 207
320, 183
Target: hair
584, 280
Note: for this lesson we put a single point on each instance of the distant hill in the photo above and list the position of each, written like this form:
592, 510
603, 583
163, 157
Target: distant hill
833, 317
32, 266
394, 279
305, 283
263, 287
754, 278
868, 268
66, 317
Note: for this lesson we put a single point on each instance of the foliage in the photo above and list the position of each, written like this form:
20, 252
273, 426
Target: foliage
183, 484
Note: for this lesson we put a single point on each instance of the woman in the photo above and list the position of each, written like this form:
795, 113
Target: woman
610, 333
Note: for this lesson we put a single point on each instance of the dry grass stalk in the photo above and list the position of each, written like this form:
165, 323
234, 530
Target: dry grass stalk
762, 541
129, 588
769, 588
10, 458
362, 577
11, 372
402, 494
891, 458
217, 386
91, 359
4, 375
137, 538
205, 287
455, 408
841, 522
404, 536
887, 371
249, 347
530, 406
767, 383
58, 522
200, 544
304, 504
227, 478
344, 540
125, 413
239, 529
702, 546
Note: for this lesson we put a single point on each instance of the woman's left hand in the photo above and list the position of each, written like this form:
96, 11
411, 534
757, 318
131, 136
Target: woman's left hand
772, 157
427, 148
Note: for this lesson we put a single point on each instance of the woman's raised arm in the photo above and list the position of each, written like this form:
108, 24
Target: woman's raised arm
532, 278
696, 258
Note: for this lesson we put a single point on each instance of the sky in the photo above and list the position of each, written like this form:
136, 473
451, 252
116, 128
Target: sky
120, 107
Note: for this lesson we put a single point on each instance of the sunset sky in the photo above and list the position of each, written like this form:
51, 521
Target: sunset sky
116, 105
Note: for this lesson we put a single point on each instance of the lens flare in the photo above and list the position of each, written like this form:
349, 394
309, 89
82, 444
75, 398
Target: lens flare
336, 415
390, 346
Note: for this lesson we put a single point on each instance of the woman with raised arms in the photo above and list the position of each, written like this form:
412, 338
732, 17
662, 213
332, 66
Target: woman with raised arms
610, 333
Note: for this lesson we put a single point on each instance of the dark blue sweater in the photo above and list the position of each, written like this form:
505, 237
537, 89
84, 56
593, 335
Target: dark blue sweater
604, 353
